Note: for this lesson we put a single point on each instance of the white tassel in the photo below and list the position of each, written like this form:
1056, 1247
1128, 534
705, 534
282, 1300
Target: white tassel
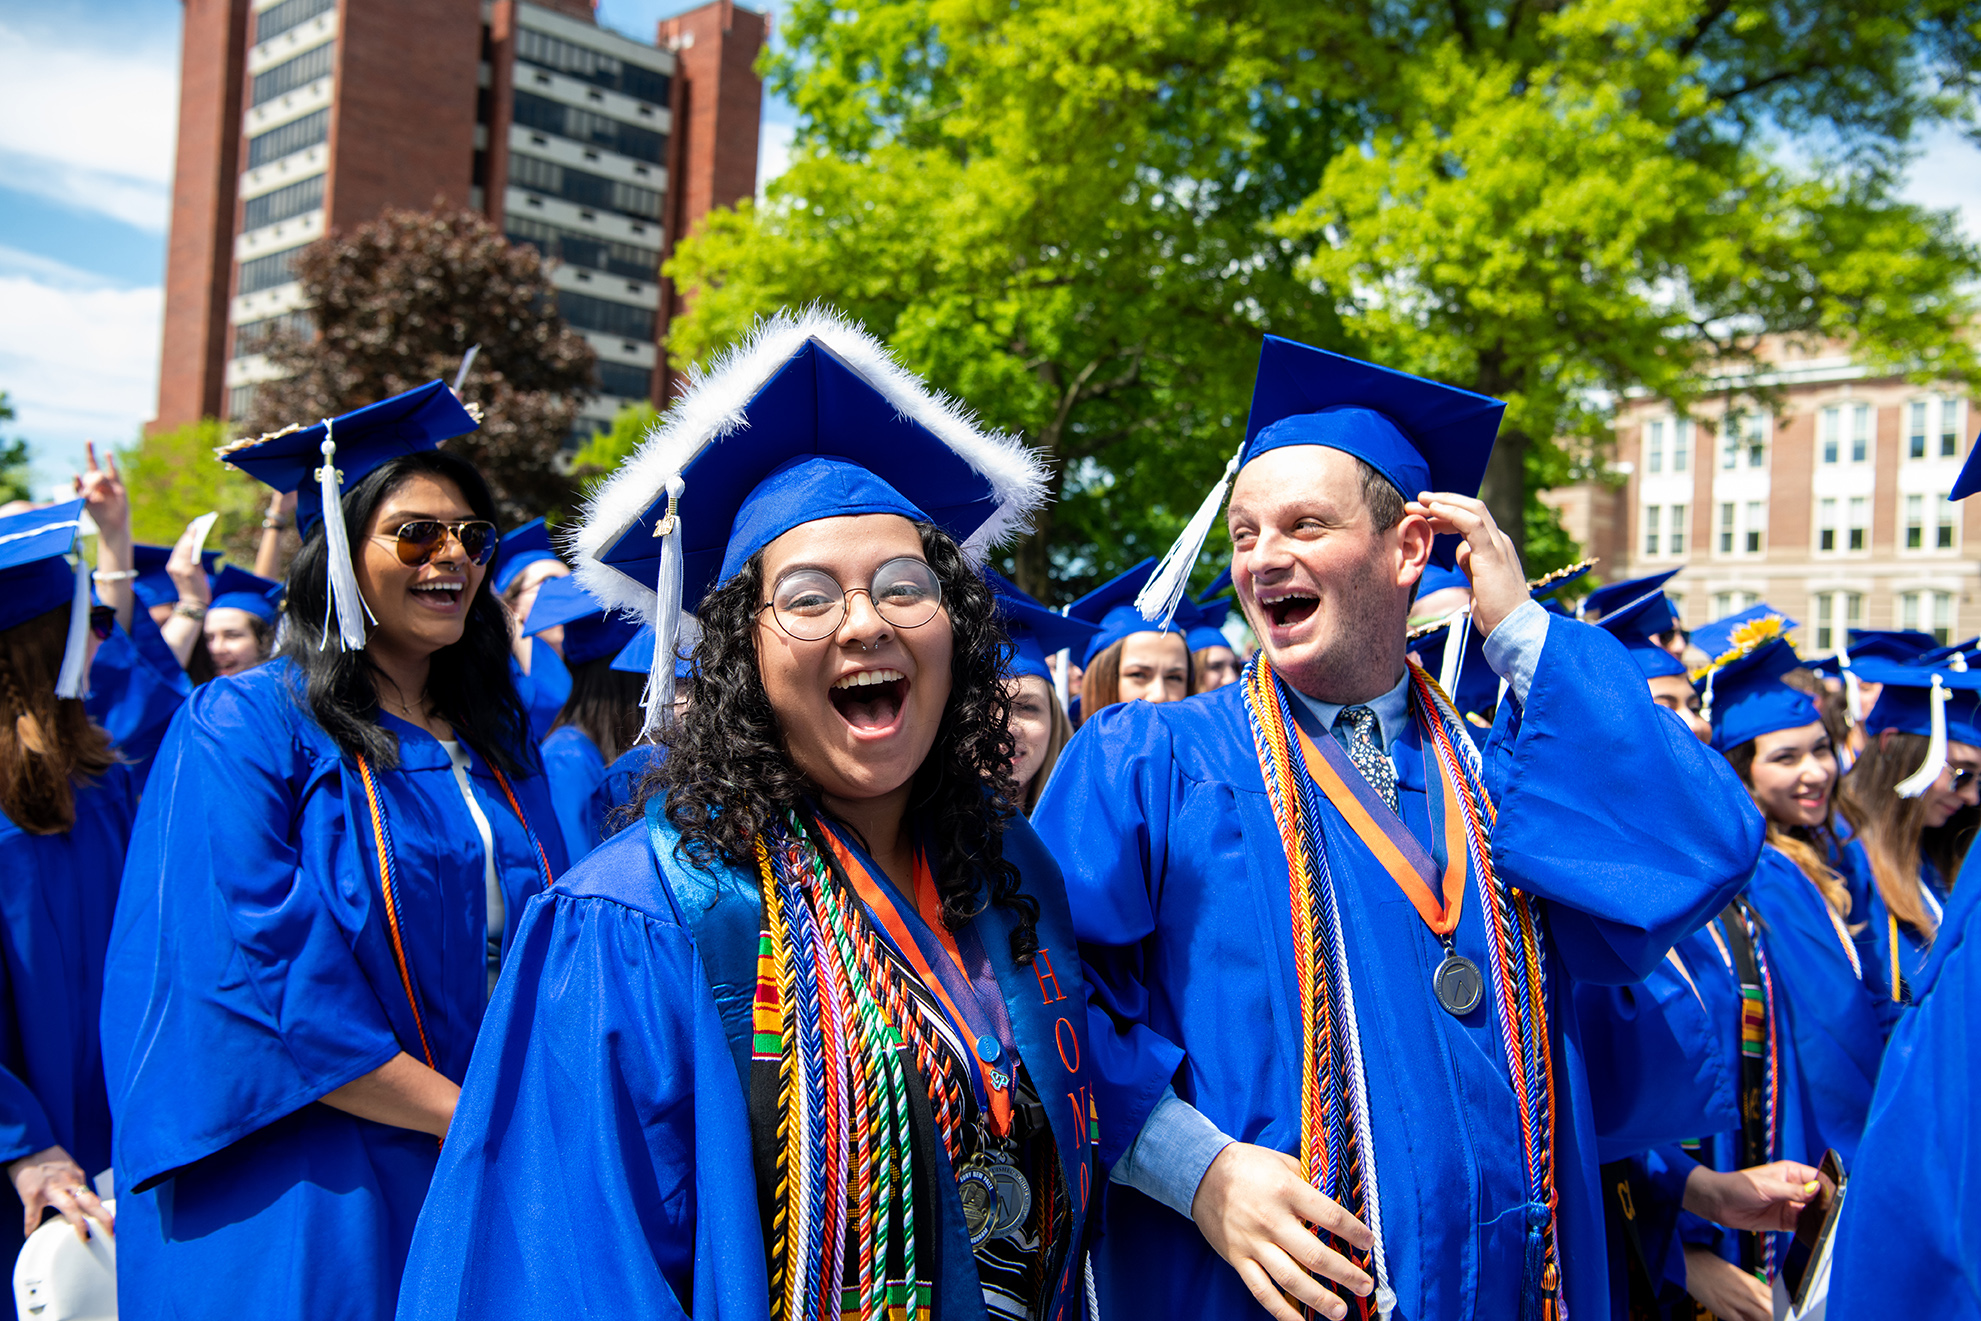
659, 697
1457, 635
1706, 699
344, 596
1160, 595
1936, 750
69, 680
1853, 702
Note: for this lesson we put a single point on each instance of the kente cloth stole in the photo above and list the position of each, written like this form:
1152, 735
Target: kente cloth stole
1335, 1146
1760, 1063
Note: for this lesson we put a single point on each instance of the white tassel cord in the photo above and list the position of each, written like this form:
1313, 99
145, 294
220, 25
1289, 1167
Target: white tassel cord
1936, 749
1457, 636
69, 681
1160, 596
1853, 702
344, 597
659, 698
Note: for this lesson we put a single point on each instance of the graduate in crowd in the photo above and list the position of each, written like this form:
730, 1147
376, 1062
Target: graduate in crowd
615, 800
240, 621
524, 562
1129, 659
1644, 622
1213, 660
602, 717
1039, 725
161, 583
66, 803
1910, 800
1840, 1005
1315, 970
812, 1040
333, 849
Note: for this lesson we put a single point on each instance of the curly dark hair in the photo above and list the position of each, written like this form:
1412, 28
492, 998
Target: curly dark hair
727, 775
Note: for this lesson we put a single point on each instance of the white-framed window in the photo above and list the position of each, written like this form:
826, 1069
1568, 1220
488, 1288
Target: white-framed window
1732, 603
1826, 525
1927, 612
1858, 530
1932, 428
1652, 517
1749, 435
1664, 530
1756, 524
1837, 612
1943, 521
1727, 509
1844, 434
1654, 446
1681, 445
1675, 538
1929, 521
1915, 522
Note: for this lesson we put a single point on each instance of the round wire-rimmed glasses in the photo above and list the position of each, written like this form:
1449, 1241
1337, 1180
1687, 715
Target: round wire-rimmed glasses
809, 603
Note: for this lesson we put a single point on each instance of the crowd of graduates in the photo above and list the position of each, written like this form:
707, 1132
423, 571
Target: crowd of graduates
743, 901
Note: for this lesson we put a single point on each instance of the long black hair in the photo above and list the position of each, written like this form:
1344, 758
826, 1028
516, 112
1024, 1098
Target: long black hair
469, 685
727, 775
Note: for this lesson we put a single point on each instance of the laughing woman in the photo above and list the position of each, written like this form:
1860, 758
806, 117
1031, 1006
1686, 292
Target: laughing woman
811, 1040
330, 852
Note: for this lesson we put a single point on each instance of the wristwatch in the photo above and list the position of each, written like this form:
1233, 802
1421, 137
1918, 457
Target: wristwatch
190, 609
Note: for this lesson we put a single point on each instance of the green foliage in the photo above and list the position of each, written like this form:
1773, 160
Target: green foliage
14, 459
1079, 217
603, 453
173, 478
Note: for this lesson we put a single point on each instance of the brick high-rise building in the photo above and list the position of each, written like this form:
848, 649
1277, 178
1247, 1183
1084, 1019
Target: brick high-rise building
300, 117
1831, 504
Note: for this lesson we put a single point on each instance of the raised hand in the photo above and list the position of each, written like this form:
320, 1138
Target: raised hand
1487, 555
103, 493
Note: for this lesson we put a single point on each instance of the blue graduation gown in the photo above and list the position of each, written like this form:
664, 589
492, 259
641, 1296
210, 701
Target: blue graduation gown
573, 768
544, 690
1178, 884
133, 693
621, 782
599, 1163
251, 972
1838, 1020
57, 895
1906, 1241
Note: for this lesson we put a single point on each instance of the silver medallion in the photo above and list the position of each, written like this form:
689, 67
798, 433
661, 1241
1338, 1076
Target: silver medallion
1458, 984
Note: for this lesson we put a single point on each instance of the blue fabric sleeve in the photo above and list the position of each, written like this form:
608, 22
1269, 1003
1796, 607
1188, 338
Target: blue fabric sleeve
1514, 648
1626, 873
1172, 1153
599, 1161
24, 1128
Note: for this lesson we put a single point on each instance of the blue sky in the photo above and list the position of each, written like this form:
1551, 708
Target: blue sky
88, 107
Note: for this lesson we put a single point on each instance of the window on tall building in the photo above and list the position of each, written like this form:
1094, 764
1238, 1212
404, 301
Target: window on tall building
1726, 527
283, 204
312, 64
1675, 538
287, 139
1747, 433
272, 23
1837, 612
1757, 521
1651, 540
1949, 428
1860, 521
1654, 447
626, 380
1729, 448
1860, 433
1826, 524
1828, 426
1915, 430
1915, 522
1927, 612
591, 66
1681, 444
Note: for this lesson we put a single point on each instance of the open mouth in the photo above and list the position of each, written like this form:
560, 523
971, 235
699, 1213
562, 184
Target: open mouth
871, 699
1291, 609
439, 595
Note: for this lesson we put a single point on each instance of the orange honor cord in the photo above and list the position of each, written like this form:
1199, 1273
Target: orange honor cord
883, 908
543, 859
390, 891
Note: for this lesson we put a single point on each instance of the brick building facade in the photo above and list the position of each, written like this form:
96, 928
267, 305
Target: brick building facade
300, 117
1831, 506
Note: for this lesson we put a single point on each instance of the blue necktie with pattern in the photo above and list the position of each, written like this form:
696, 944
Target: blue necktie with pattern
1365, 750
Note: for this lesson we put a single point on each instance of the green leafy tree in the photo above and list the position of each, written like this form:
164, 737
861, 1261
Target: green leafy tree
173, 478
613, 446
14, 458
1079, 217
398, 302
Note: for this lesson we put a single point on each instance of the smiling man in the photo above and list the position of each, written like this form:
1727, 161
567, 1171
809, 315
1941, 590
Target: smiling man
1322, 924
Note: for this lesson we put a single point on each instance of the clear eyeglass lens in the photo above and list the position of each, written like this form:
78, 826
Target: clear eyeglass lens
809, 603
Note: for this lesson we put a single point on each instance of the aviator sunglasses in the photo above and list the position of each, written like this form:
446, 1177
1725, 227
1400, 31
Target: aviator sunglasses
419, 540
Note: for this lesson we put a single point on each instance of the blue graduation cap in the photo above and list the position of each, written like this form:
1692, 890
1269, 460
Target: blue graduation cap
520, 548
1219, 584
1036, 632
320, 462
809, 419
1611, 596
1636, 623
154, 586
590, 629
1895, 644
1111, 609
1440, 577
1940, 702
37, 577
237, 589
1969, 480
1744, 696
1203, 622
1717, 637
1419, 434
636, 657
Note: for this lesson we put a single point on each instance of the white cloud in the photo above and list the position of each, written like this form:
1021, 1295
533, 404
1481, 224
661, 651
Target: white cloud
89, 126
1947, 176
78, 360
